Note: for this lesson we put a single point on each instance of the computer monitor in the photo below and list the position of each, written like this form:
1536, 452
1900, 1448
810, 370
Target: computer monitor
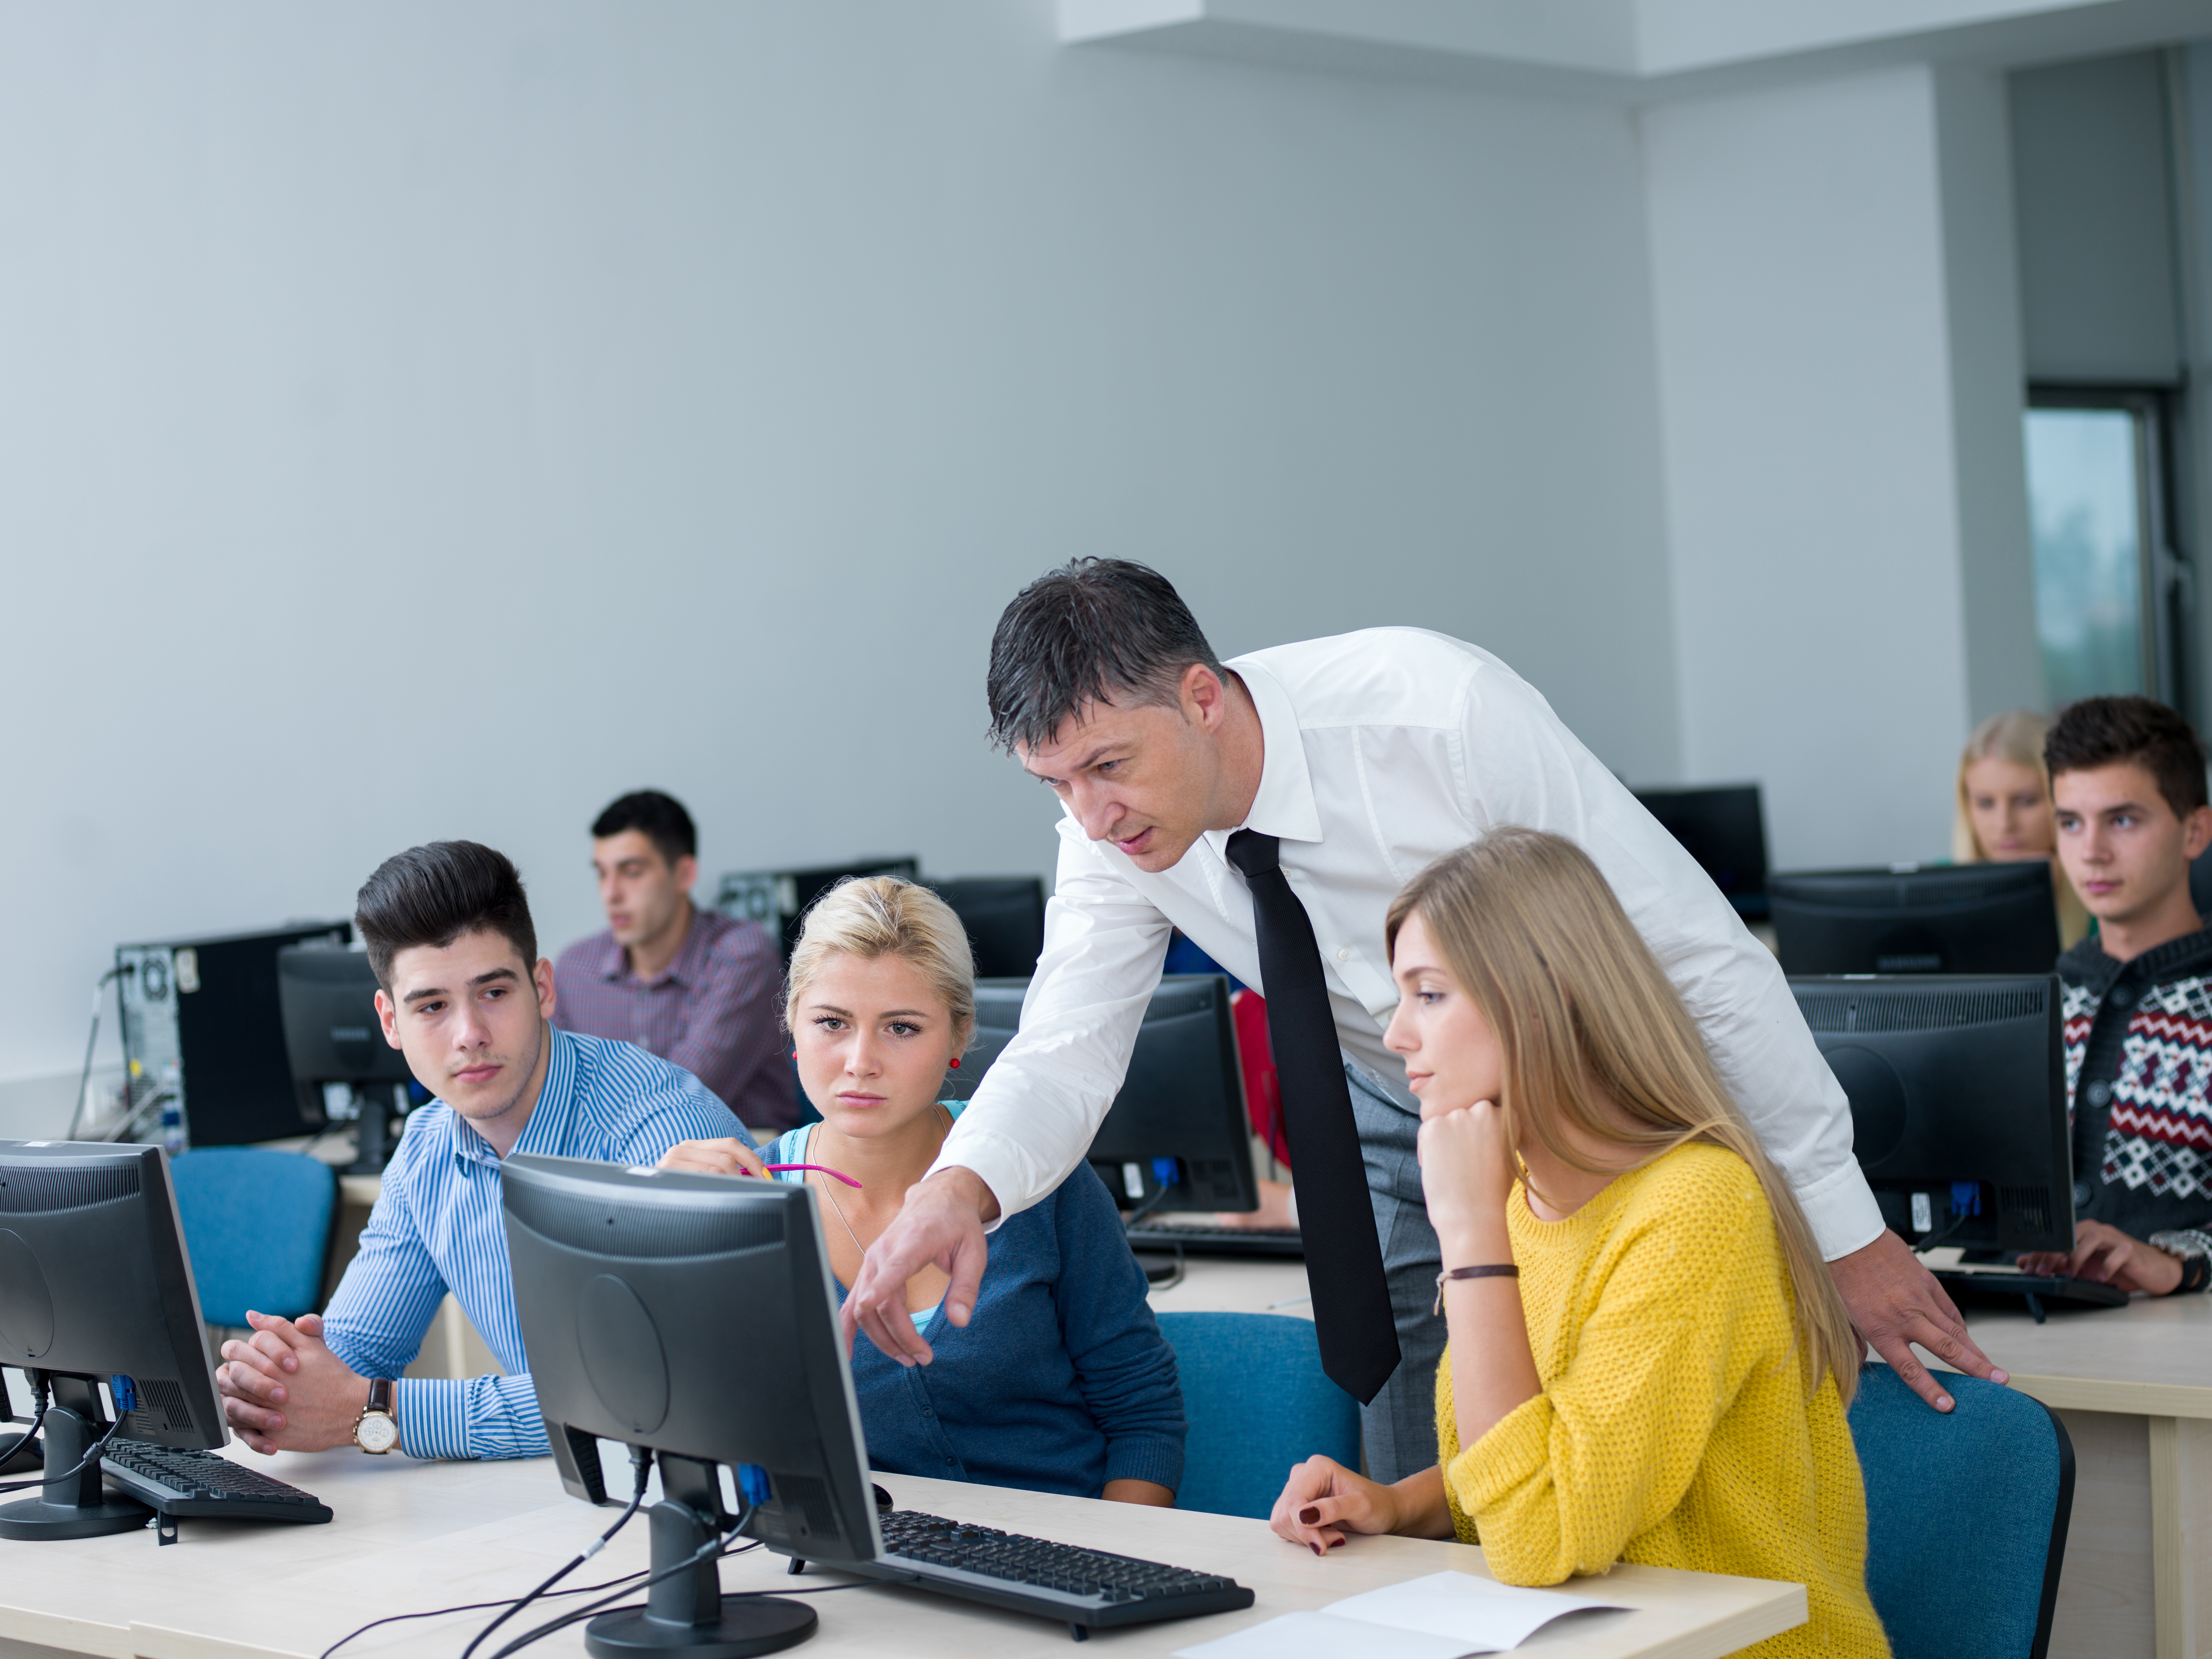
1942, 919
203, 1029
342, 1067
1725, 829
1177, 1137
95, 1286
1005, 919
1958, 1092
694, 1316
777, 899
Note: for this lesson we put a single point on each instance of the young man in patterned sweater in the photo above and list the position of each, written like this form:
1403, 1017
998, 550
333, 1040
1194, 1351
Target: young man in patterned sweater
2127, 776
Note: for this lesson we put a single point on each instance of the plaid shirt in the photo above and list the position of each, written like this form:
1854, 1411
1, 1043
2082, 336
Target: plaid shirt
714, 1012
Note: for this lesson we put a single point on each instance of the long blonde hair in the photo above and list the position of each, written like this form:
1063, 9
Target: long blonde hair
872, 916
1584, 1014
2017, 736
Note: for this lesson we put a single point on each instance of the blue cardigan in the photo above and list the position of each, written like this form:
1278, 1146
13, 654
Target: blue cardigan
1060, 1382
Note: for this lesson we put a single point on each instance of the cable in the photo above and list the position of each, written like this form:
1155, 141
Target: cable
90, 1457
640, 1463
553, 1626
84, 1079
471, 1607
711, 1549
38, 1396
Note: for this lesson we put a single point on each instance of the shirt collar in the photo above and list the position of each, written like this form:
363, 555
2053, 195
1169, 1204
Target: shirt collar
1284, 805
698, 938
547, 1132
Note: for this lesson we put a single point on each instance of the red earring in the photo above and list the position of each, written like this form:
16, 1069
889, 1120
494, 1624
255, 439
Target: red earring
955, 1062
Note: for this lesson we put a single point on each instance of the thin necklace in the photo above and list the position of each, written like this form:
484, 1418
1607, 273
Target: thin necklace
839, 1208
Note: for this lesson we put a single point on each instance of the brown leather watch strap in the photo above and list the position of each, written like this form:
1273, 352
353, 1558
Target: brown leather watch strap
380, 1396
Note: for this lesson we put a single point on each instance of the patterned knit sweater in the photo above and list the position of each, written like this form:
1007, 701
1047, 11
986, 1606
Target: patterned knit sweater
1674, 1429
2139, 1077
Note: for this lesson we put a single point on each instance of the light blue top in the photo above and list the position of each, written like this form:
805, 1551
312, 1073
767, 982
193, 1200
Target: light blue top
790, 1147
437, 1227
1060, 1381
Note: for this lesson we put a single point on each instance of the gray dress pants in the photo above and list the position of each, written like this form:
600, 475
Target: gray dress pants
1398, 1429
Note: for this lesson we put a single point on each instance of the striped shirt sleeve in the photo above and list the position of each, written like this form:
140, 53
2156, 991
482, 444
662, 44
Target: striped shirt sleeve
470, 1416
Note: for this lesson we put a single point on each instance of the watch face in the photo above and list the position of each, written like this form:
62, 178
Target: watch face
376, 1432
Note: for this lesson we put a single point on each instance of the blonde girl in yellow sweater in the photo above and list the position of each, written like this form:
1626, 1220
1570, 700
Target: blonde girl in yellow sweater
1664, 1381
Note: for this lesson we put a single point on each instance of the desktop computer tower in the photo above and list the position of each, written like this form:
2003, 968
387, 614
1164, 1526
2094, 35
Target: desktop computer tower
204, 1036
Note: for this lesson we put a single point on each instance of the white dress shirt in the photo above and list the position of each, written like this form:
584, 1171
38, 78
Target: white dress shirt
1384, 750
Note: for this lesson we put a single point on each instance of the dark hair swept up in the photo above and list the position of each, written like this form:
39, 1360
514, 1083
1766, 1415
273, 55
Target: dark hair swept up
2113, 730
1095, 630
432, 894
659, 818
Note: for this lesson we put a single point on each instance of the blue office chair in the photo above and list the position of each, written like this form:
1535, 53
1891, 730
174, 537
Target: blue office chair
1966, 1516
258, 1227
1258, 1402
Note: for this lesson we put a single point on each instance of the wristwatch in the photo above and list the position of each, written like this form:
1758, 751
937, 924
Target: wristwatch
2194, 1250
376, 1430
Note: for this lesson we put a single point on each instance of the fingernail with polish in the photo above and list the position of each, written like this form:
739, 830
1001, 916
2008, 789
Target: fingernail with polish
1308, 1517
1317, 1549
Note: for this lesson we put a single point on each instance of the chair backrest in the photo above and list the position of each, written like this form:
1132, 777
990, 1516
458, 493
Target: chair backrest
258, 1227
1257, 1402
1966, 1516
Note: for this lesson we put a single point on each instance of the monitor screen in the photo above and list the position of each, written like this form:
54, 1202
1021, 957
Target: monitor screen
1958, 1092
332, 1031
1005, 919
1179, 1111
1725, 830
1941, 919
777, 899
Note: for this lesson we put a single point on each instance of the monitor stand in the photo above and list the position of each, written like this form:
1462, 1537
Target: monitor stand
80, 1505
686, 1613
372, 1130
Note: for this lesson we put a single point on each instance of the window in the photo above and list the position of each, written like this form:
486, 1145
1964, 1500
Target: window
2108, 591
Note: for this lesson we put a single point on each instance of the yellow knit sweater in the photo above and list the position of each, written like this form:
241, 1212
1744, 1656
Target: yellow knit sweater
1673, 1428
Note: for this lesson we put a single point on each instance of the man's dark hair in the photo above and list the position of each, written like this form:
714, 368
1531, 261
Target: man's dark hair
432, 894
2133, 731
660, 818
1095, 630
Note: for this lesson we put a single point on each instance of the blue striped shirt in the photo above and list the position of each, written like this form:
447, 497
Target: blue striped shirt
437, 1227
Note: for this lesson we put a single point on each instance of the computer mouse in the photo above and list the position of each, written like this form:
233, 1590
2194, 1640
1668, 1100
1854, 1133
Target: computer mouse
884, 1505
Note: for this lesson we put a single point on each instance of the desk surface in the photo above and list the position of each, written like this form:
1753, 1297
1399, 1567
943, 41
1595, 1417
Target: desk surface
2150, 1359
414, 1536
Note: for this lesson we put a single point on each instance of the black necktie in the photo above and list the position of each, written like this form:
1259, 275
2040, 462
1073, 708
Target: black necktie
1344, 1260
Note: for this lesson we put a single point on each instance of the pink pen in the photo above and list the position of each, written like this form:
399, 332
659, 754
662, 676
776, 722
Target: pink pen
835, 1174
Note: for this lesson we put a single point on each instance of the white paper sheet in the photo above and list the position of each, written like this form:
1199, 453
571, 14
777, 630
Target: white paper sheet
1446, 1615
1321, 1636
1464, 1608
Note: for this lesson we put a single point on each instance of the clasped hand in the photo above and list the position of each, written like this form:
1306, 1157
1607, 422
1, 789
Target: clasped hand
284, 1390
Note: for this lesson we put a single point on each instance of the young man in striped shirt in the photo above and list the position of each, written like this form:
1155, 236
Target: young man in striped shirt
2127, 777
467, 998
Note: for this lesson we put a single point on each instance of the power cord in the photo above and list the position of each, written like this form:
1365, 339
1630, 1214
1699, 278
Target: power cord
554, 1626
38, 1418
90, 1457
640, 1463
84, 1079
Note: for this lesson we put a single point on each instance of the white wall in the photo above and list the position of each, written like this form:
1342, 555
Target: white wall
419, 420
1814, 516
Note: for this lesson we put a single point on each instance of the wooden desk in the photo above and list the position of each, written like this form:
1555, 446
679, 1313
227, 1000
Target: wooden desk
2133, 1387
417, 1535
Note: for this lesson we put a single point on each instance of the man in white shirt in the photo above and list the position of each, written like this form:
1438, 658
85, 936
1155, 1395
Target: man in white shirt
1356, 760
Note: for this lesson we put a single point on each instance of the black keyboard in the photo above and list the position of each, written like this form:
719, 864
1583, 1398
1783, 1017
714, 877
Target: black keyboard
1087, 1589
2034, 1290
1211, 1240
199, 1484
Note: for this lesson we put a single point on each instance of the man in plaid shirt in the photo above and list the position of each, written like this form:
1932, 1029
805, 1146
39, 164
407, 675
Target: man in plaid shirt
698, 989
2127, 776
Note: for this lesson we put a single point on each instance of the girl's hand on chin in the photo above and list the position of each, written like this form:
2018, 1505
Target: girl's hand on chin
1467, 1169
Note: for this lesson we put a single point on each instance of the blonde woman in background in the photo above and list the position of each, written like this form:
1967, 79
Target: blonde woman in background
2004, 814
